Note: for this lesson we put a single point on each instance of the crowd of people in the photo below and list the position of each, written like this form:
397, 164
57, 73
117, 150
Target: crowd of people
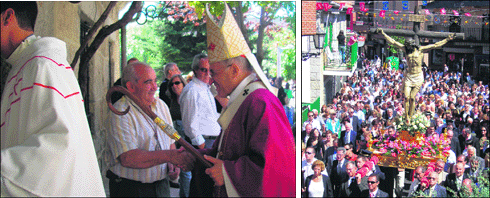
335, 137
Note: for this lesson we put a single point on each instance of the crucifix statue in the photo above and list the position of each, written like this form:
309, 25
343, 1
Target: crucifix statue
413, 74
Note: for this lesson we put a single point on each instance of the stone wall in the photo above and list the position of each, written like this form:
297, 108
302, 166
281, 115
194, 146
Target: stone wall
316, 75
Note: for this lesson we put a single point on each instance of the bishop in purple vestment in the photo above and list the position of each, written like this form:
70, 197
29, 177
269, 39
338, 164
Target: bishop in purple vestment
254, 153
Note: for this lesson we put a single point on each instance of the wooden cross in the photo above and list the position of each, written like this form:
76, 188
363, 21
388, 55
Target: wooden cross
416, 33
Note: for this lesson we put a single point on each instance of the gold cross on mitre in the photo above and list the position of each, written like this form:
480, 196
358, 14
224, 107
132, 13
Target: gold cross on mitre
225, 40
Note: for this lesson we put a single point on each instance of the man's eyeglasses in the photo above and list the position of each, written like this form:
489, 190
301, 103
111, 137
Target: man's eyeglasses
310, 115
175, 83
371, 182
204, 70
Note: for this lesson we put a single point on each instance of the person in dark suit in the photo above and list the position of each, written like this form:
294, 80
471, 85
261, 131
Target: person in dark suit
461, 159
352, 186
349, 152
454, 181
380, 173
476, 168
418, 175
317, 177
373, 191
363, 137
353, 119
348, 136
363, 158
330, 155
455, 146
449, 125
466, 139
434, 189
338, 170
390, 172
479, 164
389, 114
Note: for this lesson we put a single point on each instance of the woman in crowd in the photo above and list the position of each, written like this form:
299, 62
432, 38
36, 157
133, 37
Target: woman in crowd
484, 142
174, 89
332, 123
373, 116
328, 140
363, 137
316, 142
324, 109
442, 96
318, 185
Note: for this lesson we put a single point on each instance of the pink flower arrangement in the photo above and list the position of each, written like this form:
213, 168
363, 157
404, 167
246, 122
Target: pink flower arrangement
426, 147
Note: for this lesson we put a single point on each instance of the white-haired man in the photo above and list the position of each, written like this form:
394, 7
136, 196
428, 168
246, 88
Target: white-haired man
140, 152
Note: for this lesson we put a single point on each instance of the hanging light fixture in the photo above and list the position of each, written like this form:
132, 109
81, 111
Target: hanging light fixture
319, 39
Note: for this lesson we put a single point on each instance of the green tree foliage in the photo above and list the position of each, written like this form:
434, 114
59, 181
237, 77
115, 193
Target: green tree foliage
143, 45
260, 33
174, 35
280, 38
399, 39
176, 31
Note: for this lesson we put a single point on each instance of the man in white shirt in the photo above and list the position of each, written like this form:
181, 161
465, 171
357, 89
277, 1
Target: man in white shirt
434, 189
198, 107
418, 175
141, 154
455, 180
348, 136
315, 124
352, 186
440, 171
307, 131
373, 190
358, 111
306, 164
320, 120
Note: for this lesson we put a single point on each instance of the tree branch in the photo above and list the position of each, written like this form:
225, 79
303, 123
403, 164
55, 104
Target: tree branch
83, 72
92, 31
241, 23
107, 30
260, 38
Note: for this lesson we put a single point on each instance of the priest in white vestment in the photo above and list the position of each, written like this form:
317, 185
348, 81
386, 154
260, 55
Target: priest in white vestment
47, 148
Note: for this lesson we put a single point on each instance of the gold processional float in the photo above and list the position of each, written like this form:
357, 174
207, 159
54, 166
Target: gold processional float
411, 148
